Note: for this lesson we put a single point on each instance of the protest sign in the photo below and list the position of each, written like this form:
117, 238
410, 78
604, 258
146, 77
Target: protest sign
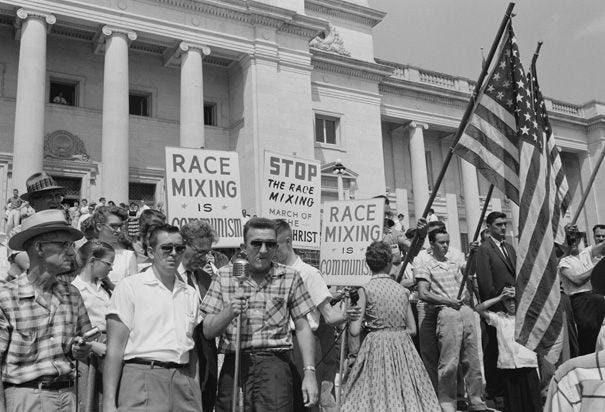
348, 228
204, 184
291, 190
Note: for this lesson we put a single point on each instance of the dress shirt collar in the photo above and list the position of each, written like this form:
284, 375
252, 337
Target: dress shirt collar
26, 289
149, 278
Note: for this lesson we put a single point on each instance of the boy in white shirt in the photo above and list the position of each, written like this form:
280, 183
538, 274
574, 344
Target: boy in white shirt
518, 365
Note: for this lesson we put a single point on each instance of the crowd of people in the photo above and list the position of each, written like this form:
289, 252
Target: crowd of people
97, 316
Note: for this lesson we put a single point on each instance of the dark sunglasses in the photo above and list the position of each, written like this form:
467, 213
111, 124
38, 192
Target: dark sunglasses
269, 244
169, 247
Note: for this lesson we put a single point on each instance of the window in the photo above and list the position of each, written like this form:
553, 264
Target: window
325, 129
210, 114
139, 104
141, 191
63, 92
72, 186
464, 242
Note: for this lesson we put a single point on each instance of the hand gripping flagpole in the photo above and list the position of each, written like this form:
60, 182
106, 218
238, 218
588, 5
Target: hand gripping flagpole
463, 123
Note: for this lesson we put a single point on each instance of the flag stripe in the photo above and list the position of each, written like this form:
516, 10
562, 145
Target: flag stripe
486, 169
489, 146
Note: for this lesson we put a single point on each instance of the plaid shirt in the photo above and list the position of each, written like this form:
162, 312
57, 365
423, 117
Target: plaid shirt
35, 336
444, 277
270, 304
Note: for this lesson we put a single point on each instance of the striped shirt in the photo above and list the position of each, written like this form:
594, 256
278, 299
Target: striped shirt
35, 335
578, 385
265, 323
444, 277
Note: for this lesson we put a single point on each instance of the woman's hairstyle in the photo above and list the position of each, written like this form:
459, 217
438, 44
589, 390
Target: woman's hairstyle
93, 249
378, 255
101, 214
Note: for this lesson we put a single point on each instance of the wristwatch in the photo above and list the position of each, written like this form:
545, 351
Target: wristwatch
309, 368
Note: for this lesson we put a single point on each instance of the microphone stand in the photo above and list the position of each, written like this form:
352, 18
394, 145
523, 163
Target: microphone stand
237, 405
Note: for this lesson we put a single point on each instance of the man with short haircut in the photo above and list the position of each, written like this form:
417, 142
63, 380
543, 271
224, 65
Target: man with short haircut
268, 297
495, 260
320, 295
150, 324
439, 279
198, 268
42, 320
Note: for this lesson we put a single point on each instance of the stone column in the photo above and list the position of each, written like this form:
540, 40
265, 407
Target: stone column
420, 184
28, 143
472, 203
192, 95
115, 132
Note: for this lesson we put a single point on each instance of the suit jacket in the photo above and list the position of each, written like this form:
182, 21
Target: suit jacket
494, 270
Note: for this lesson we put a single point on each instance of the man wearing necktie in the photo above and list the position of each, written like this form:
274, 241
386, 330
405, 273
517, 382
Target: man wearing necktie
199, 266
496, 262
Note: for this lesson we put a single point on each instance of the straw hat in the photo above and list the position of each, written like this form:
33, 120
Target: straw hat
43, 222
40, 183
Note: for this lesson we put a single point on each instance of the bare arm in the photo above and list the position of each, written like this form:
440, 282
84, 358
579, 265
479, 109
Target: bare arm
335, 317
411, 321
355, 326
306, 343
215, 325
576, 279
430, 297
117, 337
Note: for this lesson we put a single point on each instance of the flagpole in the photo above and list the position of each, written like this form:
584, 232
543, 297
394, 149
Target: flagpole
463, 123
471, 255
588, 187
535, 57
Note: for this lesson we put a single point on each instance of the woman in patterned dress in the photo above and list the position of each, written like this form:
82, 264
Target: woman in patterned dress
388, 374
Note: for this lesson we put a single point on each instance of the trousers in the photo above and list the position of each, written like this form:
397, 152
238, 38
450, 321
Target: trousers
458, 351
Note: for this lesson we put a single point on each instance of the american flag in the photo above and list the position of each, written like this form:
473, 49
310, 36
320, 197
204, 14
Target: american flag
513, 149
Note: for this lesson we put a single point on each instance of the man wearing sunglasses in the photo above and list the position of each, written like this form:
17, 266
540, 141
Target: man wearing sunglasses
150, 324
42, 320
267, 296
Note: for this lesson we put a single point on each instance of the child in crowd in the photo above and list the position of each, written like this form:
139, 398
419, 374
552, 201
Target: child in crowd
95, 259
518, 365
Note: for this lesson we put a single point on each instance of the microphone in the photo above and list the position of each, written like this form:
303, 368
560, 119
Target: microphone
240, 268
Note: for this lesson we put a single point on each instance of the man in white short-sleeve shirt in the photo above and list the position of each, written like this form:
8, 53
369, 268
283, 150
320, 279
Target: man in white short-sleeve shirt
319, 293
150, 325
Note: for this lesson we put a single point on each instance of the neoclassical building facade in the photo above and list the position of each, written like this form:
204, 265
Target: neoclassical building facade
93, 90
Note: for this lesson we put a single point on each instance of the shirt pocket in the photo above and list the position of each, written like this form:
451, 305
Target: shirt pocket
275, 311
24, 342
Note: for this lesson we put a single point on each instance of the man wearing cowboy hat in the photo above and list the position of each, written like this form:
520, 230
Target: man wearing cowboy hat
42, 320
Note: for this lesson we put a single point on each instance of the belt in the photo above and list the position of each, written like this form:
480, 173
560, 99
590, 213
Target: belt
49, 385
156, 364
280, 354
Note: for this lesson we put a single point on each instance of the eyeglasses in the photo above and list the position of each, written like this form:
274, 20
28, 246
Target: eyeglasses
65, 244
269, 244
167, 248
114, 226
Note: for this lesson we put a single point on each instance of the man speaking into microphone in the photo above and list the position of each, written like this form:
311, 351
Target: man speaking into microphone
267, 295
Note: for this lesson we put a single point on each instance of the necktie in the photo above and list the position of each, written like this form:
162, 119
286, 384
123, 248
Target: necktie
190, 279
504, 252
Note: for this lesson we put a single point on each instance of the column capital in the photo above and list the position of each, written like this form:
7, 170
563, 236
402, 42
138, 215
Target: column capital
112, 30
414, 124
186, 46
25, 13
